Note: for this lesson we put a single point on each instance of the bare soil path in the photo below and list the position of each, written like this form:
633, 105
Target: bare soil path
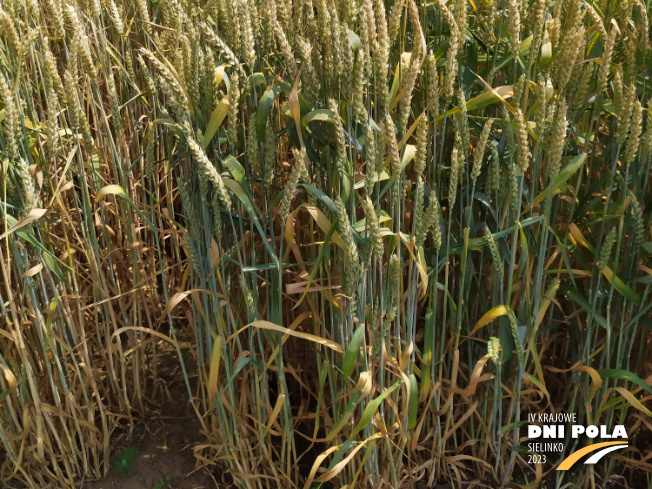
160, 453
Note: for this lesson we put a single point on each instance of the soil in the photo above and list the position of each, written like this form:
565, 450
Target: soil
161, 448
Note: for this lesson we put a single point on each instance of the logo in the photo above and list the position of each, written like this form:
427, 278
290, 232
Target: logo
603, 449
553, 428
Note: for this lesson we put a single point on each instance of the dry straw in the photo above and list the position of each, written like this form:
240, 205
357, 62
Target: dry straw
279, 184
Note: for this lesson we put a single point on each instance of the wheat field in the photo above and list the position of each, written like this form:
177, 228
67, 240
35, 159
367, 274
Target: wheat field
389, 230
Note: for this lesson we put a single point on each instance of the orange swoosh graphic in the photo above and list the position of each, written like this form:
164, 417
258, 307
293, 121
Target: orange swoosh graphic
574, 457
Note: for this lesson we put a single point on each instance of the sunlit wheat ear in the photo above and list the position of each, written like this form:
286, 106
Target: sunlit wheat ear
52, 127
519, 90
488, 12
629, 49
430, 222
495, 256
569, 52
129, 64
299, 173
538, 23
27, 187
518, 345
311, 84
346, 62
510, 136
150, 141
461, 125
341, 50
394, 286
432, 216
373, 227
618, 91
234, 97
381, 58
55, 9
81, 43
540, 114
557, 141
368, 29
635, 130
514, 24
266, 30
351, 263
624, 113
395, 159
493, 177
607, 248
116, 18
170, 84
583, 85
285, 49
580, 64
233, 35
493, 349
146, 74
183, 65
422, 145
597, 21
208, 169
340, 141
359, 82
416, 60
553, 26
453, 47
419, 227
10, 119
432, 90
453, 178
574, 13
181, 203
95, 8
51, 71
647, 136
637, 219
478, 155
394, 22
644, 36
143, 14
461, 17
248, 38
221, 46
192, 236
76, 114
284, 14
114, 102
324, 35
10, 31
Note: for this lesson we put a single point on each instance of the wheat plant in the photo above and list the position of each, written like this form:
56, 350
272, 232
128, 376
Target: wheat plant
391, 230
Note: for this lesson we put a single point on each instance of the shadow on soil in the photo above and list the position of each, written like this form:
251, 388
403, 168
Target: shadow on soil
159, 454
